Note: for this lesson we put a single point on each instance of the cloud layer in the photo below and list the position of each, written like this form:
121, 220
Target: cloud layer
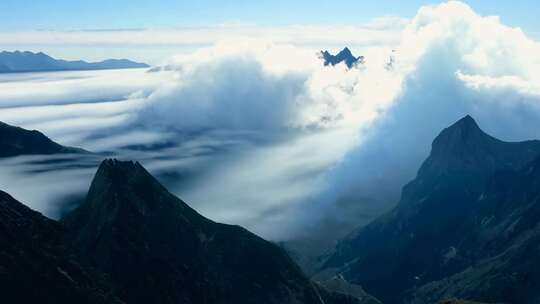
258, 132
453, 62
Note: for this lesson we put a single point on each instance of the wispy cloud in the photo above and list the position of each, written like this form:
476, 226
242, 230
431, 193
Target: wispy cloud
382, 31
258, 132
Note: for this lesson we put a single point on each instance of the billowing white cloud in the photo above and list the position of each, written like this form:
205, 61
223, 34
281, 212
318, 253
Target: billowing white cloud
452, 62
258, 132
258, 85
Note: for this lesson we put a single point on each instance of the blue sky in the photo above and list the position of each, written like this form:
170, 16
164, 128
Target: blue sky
134, 14
89, 30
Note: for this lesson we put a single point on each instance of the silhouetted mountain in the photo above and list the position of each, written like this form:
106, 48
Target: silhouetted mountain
156, 249
39, 62
34, 266
344, 55
466, 227
16, 141
133, 240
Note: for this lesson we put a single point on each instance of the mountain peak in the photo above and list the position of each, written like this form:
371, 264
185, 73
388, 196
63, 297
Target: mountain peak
127, 188
345, 51
444, 199
467, 123
464, 146
344, 55
119, 169
465, 133
156, 249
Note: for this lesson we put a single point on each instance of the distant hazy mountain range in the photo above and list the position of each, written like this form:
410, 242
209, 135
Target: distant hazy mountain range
344, 55
12, 62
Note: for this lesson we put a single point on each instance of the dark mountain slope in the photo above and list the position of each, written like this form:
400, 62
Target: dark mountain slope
135, 241
39, 62
344, 55
34, 266
424, 239
157, 249
16, 141
501, 236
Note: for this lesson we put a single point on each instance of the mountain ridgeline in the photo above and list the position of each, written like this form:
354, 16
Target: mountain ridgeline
15, 141
157, 249
13, 62
132, 241
467, 227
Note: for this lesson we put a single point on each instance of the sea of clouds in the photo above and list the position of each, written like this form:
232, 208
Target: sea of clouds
259, 133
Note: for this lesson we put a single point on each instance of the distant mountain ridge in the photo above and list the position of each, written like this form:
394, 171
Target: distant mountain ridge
467, 227
16, 141
344, 56
17, 61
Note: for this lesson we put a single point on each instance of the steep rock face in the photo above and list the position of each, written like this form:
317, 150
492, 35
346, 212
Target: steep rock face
16, 141
423, 239
35, 266
501, 236
156, 249
344, 55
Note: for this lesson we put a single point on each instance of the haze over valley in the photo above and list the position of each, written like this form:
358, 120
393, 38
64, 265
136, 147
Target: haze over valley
355, 159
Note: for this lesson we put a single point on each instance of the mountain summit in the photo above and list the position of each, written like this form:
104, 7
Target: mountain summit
156, 249
344, 55
457, 214
134, 242
465, 147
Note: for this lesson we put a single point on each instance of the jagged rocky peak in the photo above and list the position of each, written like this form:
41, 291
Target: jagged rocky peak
125, 189
344, 56
121, 171
345, 52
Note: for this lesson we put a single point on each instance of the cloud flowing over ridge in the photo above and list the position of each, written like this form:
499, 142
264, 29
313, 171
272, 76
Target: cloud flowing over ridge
261, 134
453, 62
